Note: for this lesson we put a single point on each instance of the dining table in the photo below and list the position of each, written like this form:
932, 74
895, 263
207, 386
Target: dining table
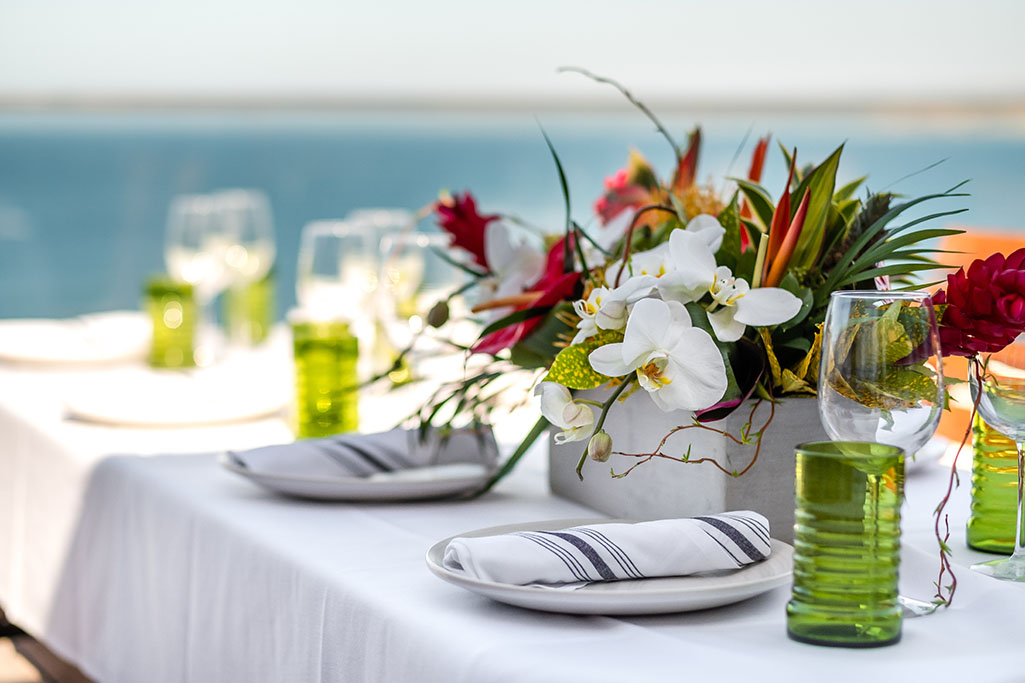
131, 552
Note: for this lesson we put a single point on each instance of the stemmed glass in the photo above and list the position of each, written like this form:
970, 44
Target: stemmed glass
246, 220
336, 278
880, 375
413, 279
998, 385
195, 251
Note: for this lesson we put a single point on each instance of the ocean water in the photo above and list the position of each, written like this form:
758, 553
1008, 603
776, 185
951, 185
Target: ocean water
84, 196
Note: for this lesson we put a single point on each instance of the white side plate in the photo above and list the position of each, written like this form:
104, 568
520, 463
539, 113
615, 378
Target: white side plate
645, 596
450, 481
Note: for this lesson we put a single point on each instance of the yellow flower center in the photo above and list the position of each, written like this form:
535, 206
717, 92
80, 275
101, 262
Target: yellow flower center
652, 375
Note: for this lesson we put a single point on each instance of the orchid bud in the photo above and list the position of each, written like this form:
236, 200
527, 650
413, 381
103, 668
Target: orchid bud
438, 314
600, 446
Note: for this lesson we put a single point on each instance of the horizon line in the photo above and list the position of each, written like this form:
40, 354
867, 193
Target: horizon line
998, 105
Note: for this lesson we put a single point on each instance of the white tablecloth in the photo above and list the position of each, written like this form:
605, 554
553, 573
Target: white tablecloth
169, 568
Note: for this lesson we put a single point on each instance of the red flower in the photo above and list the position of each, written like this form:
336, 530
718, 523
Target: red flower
629, 187
553, 286
985, 307
459, 218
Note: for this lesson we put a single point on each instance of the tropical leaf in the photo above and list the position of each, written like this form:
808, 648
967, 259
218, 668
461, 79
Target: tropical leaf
759, 200
819, 184
729, 218
571, 367
848, 190
842, 271
567, 245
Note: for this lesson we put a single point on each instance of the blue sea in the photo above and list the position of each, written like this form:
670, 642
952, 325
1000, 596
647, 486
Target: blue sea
84, 196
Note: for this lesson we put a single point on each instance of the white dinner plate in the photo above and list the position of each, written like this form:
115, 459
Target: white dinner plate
424, 483
142, 397
643, 596
111, 337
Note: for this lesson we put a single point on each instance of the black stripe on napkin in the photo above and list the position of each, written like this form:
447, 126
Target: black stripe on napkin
754, 525
627, 565
567, 559
587, 550
734, 535
724, 548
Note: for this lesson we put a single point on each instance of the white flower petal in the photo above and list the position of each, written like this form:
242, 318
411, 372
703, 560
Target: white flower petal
709, 228
767, 306
697, 371
693, 268
611, 316
577, 415
554, 398
644, 330
725, 324
608, 360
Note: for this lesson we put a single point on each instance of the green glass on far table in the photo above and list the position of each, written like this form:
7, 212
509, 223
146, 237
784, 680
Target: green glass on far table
172, 310
325, 374
249, 310
990, 527
847, 544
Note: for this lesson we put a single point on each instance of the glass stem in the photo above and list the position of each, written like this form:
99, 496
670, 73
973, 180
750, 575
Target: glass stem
1019, 537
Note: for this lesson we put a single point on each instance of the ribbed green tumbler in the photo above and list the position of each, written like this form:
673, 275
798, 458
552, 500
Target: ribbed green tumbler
847, 544
994, 507
172, 311
325, 377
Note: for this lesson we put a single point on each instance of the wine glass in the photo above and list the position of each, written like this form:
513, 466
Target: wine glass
195, 251
880, 375
246, 220
336, 278
413, 279
998, 384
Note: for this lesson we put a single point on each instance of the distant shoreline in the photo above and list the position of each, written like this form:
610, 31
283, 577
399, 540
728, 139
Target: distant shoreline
1000, 107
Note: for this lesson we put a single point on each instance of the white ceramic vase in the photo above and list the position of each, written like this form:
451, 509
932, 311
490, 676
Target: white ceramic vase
661, 488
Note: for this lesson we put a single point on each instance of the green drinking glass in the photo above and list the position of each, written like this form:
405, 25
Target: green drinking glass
172, 310
847, 544
327, 400
990, 525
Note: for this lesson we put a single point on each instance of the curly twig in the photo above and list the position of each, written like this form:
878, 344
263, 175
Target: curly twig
742, 441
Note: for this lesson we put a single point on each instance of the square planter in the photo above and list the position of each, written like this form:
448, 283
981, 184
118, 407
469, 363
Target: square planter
661, 488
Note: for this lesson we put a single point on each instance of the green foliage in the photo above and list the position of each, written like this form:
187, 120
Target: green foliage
730, 249
571, 367
820, 184
759, 200
544, 343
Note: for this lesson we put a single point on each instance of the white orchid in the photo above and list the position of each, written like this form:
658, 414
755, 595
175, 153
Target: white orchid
516, 260
708, 228
600, 310
607, 309
677, 364
558, 407
735, 305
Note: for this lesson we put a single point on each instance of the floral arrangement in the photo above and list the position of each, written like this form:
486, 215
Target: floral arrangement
981, 311
700, 296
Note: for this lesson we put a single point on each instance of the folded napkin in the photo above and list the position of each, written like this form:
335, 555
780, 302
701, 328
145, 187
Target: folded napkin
574, 557
398, 454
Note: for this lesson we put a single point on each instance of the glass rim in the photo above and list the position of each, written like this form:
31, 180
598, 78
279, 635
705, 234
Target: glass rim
831, 449
912, 294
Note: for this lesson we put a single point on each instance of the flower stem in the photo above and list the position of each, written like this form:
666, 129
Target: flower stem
600, 423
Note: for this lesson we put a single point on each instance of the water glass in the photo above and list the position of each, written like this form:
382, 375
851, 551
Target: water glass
173, 312
244, 216
847, 544
327, 399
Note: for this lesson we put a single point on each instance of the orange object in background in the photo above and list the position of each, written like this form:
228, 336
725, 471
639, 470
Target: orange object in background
974, 243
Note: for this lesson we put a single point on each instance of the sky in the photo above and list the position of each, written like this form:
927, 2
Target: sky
808, 50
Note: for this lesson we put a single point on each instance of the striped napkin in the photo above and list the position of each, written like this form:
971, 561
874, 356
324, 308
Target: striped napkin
575, 557
399, 453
